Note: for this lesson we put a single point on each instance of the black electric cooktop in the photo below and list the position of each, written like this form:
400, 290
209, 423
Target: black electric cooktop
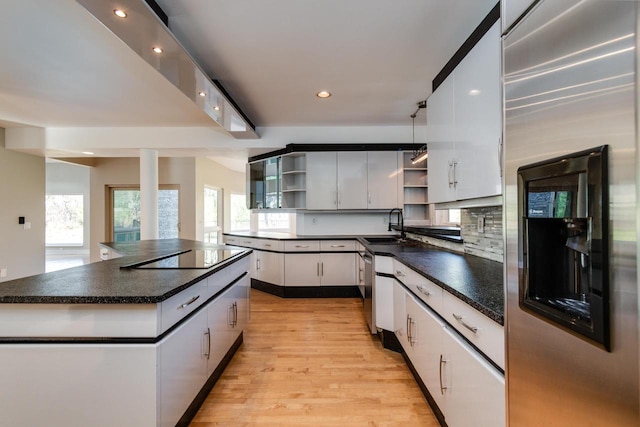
193, 259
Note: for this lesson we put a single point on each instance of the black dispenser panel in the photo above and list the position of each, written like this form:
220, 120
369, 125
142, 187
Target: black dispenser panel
563, 206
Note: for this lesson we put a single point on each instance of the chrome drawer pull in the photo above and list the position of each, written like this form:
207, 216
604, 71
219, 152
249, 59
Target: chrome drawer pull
302, 246
465, 324
400, 273
424, 291
337, 246
442, 388
188, 303
267, 245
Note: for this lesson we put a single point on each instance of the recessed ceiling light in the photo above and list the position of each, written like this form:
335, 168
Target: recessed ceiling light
120, 13
474, 92
88, 153
157, 49
202, 94
323, 94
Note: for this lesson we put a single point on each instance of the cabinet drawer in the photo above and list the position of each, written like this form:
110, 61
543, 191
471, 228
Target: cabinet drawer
425, 289
302, 246
269, 245
481, 331
231, 240
180, 305
338, 245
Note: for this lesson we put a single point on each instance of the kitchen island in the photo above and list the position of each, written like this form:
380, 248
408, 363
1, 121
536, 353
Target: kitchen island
105, 344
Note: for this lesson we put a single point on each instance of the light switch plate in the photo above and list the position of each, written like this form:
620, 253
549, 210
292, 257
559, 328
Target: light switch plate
3, 272
27, 225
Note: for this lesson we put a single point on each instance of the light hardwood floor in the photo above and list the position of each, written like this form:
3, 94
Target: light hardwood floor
311, 362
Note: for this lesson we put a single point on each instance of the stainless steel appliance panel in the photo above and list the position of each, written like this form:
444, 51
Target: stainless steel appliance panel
369, 276
570, 84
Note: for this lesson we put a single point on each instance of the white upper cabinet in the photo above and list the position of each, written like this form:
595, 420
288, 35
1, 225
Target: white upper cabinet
478, 127
440, 139
322, 180
352, 180
382, 172
464, 127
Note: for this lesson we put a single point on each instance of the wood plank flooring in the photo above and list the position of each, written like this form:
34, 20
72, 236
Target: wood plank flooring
311, 362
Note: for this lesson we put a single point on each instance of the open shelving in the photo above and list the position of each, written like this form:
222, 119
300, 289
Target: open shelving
416, 191
294, 177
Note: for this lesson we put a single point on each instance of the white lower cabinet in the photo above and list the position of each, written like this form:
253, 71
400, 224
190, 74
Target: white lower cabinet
320, 269
268, 267
190, 353
183, 365
468, 390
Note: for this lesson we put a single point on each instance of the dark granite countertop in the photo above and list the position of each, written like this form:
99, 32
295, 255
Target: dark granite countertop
274, 235
476, 281
105, 283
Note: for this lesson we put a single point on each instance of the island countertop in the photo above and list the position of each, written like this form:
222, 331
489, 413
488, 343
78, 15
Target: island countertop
106, 283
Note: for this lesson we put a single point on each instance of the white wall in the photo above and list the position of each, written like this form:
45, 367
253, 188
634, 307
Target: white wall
210, 173
65, 178
22, 190
126, 171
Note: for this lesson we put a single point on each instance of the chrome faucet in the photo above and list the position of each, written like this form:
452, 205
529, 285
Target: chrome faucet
400, 222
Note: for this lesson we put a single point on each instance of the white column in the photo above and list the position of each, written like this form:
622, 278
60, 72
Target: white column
148, 194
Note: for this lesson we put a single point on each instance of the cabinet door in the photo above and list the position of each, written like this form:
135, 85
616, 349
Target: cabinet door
440, 137
322, 180
382, 182
478, 119
302, 270
426, 332
220, 337
352, 180
270, 267
475, 390
338, 269
400, 320
183, 368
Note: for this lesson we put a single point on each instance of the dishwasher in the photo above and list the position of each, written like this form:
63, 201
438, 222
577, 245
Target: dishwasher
369, 273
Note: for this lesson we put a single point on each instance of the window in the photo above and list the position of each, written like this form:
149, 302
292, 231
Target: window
124, 212
64, 220
239, 220
454, 216
212, 214
273, 221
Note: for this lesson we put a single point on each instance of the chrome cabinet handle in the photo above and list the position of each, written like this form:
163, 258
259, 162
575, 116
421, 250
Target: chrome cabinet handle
400, 273
455, 182
442, 387
449, 175
208, 335
423, 290
500, 153
248, 242
188, 303
267, 245
369, 197
235, 314
302, 246
257, 263
230, 315
322, 269
465, 324
407, 328
318, 269
337, 246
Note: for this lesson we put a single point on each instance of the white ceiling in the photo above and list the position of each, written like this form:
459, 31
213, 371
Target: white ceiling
377, 57
61, 68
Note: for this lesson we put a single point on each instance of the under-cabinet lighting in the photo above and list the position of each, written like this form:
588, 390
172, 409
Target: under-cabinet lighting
420, 157
157, 49
88, 153
120, 13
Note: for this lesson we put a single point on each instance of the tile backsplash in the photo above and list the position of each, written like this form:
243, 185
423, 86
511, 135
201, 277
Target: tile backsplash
487, 244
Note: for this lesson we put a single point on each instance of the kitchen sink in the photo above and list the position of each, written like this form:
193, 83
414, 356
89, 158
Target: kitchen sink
391, 240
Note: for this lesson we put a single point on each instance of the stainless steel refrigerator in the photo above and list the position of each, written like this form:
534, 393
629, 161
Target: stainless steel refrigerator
570, 208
